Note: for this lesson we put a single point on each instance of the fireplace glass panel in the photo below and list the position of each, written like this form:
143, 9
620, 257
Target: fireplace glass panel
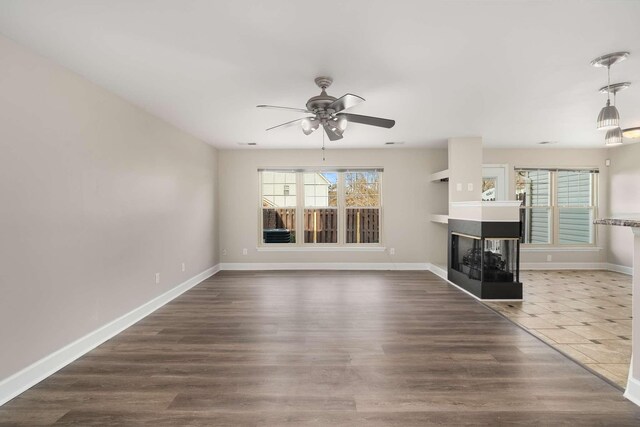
500, 262
466, 256
486, 260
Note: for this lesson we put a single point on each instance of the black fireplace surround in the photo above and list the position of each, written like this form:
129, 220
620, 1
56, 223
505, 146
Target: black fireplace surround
484, 258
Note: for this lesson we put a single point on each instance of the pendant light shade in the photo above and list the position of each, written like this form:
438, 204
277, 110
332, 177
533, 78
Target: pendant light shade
609, 117
613, 137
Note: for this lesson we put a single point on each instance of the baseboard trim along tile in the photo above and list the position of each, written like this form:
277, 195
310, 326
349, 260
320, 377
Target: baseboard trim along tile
576, 266
620, 269
21, 381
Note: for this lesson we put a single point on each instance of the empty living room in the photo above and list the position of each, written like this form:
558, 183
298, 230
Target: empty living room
285, 213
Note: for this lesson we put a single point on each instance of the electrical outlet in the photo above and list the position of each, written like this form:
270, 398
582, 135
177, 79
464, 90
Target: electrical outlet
549, 258
392, 251
184, 267
470, 186
458, 187
224, 252
157, 278
244, 251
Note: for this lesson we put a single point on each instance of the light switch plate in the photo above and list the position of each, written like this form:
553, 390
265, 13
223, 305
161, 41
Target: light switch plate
458, 187
470, 186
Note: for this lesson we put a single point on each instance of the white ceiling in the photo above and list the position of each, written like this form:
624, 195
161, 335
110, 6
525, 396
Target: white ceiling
514, 72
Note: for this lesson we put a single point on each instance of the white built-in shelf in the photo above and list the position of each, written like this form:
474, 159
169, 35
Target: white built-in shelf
442, 219
442, 176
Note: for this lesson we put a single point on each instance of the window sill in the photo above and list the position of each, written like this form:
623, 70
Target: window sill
292, 248
560, 248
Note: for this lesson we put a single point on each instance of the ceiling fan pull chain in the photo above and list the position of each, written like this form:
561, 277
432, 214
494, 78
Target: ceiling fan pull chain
323, 159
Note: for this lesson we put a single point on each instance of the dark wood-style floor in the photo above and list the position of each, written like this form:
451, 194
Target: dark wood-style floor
323, 349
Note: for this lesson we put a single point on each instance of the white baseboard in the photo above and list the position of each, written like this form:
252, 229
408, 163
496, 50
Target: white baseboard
439, 271
620, 269
632, 391
576, 266
324, 266
31, 375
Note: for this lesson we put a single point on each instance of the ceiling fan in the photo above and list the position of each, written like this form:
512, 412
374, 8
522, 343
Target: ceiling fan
327, 111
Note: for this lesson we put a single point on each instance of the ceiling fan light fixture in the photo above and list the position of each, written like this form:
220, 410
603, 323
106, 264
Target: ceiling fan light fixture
309, 125
328, 111
333, 125
613, 136
633, 133
342, 123
609, 117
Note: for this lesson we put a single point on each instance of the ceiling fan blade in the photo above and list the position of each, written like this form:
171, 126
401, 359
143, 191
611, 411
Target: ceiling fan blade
332, 134
346, 101
368, 120
291, 123
275, 107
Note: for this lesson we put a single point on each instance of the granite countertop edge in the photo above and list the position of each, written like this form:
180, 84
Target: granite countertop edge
618, 221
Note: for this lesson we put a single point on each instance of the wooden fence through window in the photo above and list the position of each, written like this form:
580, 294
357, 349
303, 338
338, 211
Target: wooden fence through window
363, 225
279, 218
321, 225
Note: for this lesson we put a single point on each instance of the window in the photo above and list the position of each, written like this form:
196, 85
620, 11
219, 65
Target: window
321, 207
362, 201
279, 204
558, 205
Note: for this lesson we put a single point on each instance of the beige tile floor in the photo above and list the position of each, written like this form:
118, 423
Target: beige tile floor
585, 314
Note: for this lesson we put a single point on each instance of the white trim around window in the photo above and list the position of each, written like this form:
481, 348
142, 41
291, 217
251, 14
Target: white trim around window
333, 204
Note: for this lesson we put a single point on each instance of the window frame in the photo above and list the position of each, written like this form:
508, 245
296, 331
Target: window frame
340, 207
554, 208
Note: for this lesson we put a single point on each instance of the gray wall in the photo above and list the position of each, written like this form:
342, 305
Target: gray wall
96, 196
407, 198
624, 199
465, 167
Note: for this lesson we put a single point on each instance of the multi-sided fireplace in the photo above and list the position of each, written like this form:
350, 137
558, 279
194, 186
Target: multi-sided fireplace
484, 258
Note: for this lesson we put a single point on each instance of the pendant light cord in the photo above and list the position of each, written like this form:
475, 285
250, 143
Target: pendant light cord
609, 84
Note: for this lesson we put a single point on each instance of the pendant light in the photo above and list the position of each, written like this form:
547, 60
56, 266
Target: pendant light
609, 117
613, 137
